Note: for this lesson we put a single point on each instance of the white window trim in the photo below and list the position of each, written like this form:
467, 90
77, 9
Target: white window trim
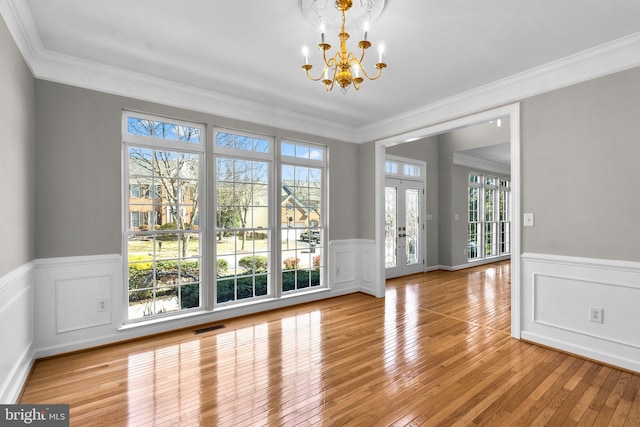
482, 185
146, 142
324, 210
240, 154
208, 151
161, 142
401, 162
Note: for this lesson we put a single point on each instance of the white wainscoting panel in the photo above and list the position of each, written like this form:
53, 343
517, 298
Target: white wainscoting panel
67, 292
558, 292
351, 265
367, 250
16, 330
345, 266
73, 302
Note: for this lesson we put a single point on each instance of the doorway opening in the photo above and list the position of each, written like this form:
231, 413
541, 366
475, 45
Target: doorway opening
510, 113
404, 210
404, 249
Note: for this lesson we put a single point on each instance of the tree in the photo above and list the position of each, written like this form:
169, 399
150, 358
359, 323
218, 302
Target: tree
172, 179
241, 186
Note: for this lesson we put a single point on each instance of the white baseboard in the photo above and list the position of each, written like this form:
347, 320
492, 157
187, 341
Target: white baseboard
473, 264
584, 351
13, 385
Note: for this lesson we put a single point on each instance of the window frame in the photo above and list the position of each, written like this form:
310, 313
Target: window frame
323, 227
498, 185
245, 155
207, 153
159, 144
402, 168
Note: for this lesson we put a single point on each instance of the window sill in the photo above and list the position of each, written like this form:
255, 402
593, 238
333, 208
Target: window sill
227, 308
161, 320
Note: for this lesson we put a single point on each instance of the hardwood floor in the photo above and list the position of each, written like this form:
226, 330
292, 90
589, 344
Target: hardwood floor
435, 351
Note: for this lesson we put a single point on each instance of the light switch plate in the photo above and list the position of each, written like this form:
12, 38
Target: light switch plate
528, 220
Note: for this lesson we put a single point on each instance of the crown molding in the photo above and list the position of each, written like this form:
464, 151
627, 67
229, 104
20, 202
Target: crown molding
95, 76
608, 58
17, 16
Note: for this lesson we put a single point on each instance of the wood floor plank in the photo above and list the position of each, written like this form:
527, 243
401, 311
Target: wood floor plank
436, 351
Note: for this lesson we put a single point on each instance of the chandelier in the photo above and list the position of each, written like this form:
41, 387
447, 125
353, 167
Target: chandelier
344, 68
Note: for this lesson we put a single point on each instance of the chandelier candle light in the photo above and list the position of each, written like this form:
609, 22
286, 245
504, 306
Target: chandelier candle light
344, 68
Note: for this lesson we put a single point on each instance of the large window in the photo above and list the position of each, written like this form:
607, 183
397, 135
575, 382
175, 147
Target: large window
302, 218
243, 216
164, 166
266, 216
489, 217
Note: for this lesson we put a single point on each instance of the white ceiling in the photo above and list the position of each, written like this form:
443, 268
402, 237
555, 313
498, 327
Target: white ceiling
246, 56
498, 153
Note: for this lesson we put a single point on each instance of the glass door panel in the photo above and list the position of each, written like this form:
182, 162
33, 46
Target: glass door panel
412, 226
390, 235
404, 228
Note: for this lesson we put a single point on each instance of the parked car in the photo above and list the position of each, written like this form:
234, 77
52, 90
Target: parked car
311, 236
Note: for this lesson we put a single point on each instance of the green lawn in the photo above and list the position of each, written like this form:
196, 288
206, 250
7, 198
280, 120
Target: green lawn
169, 249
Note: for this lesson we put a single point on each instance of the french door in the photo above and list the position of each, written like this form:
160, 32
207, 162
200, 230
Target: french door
404, 227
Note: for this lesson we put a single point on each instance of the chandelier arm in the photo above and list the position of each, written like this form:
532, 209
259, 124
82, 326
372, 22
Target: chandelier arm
379, 66
362, 56
324, 55
307, 68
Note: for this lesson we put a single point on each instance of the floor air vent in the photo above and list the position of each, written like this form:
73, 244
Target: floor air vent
208, 329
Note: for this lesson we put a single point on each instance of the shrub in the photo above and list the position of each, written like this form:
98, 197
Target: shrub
315, 277
254, 264
299, 279
225, 290
167, 226
141, 263
302, 279
245, 287
222, 266
261, 284
141, 278
190, 296
291, 263
288, 280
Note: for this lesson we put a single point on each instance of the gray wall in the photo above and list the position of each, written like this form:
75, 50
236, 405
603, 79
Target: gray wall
580, 162
17, 145
365, 194
78, 167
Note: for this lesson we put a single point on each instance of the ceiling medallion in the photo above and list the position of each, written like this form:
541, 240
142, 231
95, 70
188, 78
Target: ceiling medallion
325, 12
343, 68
